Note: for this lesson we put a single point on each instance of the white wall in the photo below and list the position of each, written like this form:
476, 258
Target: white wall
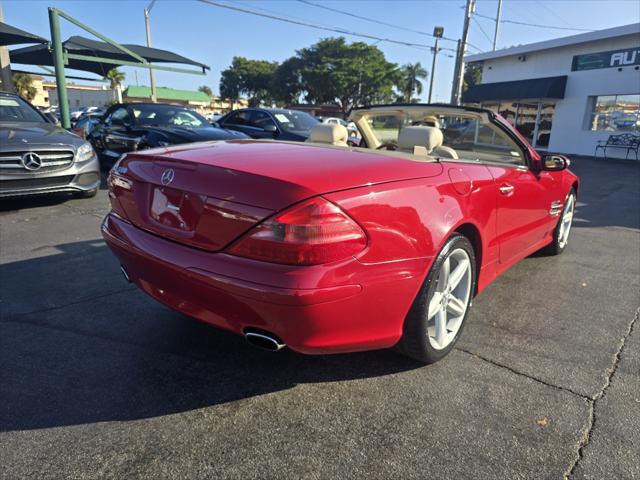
570, 132
85, 98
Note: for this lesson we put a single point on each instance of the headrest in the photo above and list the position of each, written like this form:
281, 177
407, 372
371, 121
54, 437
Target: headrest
420, 136
329, 133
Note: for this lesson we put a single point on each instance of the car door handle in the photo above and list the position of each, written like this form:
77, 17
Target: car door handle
506, 189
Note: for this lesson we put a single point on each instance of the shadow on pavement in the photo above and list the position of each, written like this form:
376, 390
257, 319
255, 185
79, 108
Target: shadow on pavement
118, 355
609, 193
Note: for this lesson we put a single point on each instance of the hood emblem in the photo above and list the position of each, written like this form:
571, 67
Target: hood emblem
167, 176
31, 161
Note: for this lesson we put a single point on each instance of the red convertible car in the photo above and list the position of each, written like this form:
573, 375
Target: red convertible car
325, 247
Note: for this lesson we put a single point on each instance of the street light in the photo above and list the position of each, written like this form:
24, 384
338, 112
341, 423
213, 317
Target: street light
438, 32
152, 77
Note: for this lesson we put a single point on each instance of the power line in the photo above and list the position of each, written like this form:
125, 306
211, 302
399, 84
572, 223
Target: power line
318, 27
482, 29
553, 27
380, 22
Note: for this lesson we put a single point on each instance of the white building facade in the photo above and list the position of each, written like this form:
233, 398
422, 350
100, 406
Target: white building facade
566, 94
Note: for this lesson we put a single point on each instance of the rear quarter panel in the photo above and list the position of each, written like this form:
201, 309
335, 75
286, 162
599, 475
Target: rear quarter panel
412, 219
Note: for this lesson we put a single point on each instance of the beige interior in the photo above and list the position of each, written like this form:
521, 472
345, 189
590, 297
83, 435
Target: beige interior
329, 133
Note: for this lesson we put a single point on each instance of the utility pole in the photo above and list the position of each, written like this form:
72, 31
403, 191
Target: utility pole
495, 34
152, 78
5, 65
456, 92
437, 33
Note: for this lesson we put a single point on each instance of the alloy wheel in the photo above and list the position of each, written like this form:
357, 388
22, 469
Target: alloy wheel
566, 221
450, 301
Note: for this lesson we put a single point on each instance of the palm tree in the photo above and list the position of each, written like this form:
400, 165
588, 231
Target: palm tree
206, 90
410, 83
115, 77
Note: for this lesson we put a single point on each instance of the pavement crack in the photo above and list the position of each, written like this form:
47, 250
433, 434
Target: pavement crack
593, 411
522, 374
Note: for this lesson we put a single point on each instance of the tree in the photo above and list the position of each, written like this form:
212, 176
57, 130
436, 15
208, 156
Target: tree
115, 77
23, 84
409, 81
248, 77
206, 90
472, 75
286, 84
347, 74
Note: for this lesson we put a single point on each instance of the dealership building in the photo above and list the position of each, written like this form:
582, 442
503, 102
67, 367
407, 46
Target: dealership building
565, 95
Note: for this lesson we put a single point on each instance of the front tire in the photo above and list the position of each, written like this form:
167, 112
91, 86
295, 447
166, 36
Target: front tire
438, 314
563, 228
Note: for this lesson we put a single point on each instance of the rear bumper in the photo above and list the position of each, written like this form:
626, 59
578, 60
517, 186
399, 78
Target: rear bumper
344, 307
76, 178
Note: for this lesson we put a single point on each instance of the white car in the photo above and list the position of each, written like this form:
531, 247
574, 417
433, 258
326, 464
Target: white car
350, 126
78, 113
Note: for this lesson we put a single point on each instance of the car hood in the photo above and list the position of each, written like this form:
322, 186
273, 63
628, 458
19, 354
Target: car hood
187, 135
16, 133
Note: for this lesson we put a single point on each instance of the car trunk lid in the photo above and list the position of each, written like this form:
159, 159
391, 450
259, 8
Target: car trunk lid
207, 195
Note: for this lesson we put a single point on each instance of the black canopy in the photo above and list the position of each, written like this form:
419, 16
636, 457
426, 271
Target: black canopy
548, 87
12, 36
41, 55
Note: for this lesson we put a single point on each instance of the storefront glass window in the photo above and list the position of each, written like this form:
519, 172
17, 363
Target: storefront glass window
526, 120
616, 113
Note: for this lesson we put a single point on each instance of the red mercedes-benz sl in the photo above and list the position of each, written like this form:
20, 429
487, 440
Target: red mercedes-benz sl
326, 247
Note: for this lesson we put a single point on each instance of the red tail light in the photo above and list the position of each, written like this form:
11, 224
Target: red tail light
310, 233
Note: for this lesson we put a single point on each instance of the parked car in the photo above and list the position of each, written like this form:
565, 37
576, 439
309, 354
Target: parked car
86, 123
270, 123
326, 248
37, 156
350, 126
75, 115
136, 126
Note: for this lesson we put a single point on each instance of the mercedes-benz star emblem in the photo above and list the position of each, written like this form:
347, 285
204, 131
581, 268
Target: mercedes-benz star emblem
31, 161
168, 176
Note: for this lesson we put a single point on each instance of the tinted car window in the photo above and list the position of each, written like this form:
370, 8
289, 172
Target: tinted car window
261, 119
14, 109
120, 116
239, 118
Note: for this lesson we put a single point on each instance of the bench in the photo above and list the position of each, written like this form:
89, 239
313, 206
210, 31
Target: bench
628, 141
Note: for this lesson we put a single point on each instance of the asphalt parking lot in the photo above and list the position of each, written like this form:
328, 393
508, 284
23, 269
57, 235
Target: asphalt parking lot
97, 380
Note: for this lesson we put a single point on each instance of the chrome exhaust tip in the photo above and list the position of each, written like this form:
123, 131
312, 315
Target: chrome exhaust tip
264, 340
124, 272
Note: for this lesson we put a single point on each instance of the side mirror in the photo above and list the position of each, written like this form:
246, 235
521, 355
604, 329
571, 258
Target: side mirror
554, 163
271, 128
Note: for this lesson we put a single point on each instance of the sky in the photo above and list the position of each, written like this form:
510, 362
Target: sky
214, 35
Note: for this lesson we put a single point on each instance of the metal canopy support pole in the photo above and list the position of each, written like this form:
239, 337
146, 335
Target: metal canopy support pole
58, 60
433, 69
495, 34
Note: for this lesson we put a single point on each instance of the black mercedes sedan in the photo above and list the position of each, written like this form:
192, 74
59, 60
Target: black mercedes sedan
292, 125
127, 127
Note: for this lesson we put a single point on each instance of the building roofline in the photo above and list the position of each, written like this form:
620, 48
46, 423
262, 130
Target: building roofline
621, 31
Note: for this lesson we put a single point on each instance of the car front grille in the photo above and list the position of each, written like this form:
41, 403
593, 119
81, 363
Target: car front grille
51, 161
47, 182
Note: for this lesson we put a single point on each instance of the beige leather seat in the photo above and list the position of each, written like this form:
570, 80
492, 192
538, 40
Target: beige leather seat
421, 140
329, 133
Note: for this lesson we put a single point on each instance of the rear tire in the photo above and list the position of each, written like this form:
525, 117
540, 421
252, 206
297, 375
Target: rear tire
438, 314
563, 228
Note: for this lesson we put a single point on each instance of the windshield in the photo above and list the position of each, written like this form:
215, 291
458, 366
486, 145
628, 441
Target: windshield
464, 135
14, 109
167, 115
291, 120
